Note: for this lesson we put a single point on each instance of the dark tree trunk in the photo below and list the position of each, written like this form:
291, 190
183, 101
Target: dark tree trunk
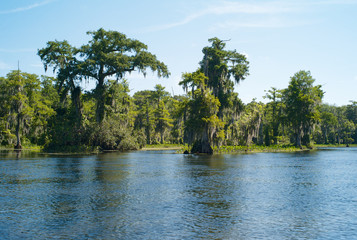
100, 95
203, 145
298, 138
76, 99
147, 128
275, 134
162, 137
18, 142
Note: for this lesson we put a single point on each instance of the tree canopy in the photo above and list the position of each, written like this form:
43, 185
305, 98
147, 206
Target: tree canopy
108, 53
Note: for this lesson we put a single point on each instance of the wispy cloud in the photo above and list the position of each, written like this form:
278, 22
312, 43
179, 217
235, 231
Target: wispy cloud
251, 8
26, 8
266, 23
226, 7
333, 2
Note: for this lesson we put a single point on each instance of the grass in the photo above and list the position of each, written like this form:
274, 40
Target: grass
256, 148
81, 149
334, 145
31, 147
181, 148
249, 149
165, 146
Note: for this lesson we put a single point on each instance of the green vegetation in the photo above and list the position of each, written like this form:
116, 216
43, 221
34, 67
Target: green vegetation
166, 146
56, 114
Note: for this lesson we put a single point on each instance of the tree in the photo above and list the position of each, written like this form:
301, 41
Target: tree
348, 127
60, 55
328, 122
18, 101
178, 108
162, 120
108, 53
202, 126
248, 124
144, 116
351, 115
223, 68
24, 106
302, 100
273, 114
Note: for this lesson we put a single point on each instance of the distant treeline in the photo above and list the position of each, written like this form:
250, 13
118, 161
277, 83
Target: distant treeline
57, 114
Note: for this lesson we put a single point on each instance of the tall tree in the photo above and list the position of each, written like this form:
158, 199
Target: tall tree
302, 100
112, 53
23, 105
223, 68
60, 55
274, 113
144, 117
162, 120
202, 126
108, 53
328, 122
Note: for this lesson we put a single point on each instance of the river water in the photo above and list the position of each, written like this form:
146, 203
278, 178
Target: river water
162, 195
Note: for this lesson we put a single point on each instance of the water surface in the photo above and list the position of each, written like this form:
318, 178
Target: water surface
162, 195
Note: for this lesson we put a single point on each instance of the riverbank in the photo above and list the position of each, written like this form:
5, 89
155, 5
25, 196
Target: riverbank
257, 149
25, 148
251, 149
158, 147
179, 149
334, 145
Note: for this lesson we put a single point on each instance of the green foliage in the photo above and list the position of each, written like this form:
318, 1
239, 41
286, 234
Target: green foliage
302, 100
57, 114
111, 135
202, 125
144, 113
162, 120
214, 107
25, 107
108, 53
223, 68
273, 116
248, 126
255, 148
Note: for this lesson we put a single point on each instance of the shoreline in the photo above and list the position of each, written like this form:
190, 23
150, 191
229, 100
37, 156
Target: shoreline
181, 148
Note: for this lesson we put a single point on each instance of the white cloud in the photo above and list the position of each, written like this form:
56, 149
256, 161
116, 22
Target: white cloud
26, 8
249, 8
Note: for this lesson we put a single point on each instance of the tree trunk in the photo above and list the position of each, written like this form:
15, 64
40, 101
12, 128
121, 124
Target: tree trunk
76, 99
325, 136
18, 143
203, 145
100, 95
147, 128
275, 134
298, 138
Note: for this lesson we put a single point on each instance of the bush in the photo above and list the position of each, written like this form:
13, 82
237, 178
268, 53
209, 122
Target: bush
109, 135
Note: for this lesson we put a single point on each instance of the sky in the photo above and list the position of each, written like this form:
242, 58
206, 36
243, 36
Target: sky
278, 37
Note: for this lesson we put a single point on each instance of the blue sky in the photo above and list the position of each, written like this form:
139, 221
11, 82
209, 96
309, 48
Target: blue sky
278, 37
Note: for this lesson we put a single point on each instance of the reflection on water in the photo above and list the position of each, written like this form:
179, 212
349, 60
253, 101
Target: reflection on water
162, 195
